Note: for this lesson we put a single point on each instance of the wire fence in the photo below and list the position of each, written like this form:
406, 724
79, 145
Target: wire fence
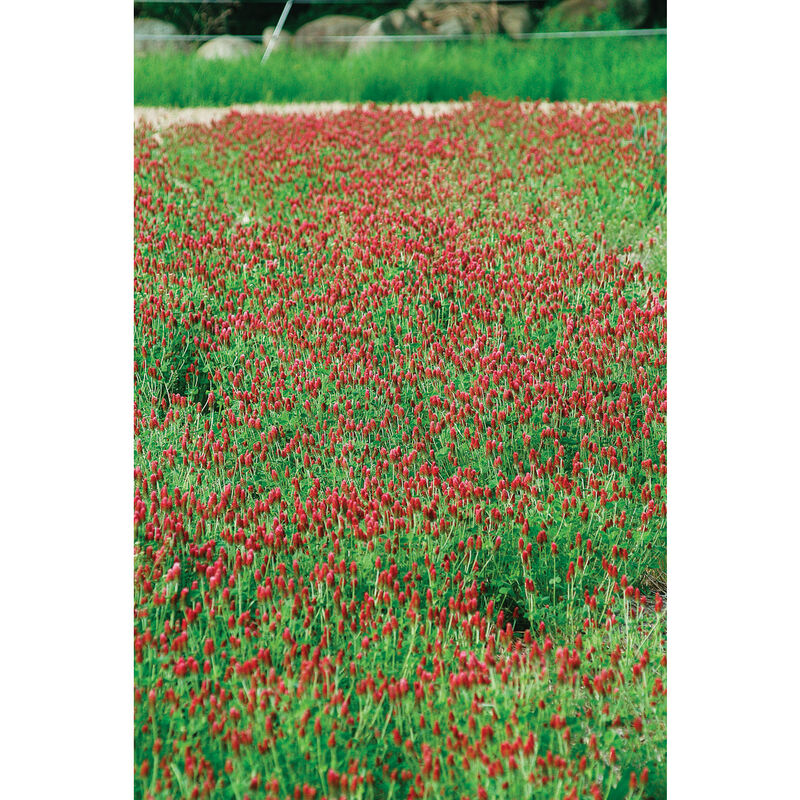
410, 37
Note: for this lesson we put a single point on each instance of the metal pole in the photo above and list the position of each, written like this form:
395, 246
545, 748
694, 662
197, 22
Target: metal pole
277, 32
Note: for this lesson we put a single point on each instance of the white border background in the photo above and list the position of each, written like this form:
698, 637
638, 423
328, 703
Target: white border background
732, 431
67, 387
67, 368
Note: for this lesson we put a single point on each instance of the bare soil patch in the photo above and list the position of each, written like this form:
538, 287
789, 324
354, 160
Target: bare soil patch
164, 117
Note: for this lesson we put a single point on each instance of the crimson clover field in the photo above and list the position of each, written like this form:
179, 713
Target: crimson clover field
400, 455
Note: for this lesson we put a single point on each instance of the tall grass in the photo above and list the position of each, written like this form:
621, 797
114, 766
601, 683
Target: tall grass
587, 69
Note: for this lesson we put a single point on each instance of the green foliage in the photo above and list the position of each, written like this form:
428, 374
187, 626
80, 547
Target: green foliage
249, 18
191, 18
587, 69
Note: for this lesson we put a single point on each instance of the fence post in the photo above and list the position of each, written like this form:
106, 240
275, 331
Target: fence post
277, 32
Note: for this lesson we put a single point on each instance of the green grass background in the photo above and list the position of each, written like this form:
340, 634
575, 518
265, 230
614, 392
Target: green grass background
554, 69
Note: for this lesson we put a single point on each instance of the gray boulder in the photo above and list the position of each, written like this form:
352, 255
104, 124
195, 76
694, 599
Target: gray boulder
282, 42
227, 48
144, 26
423, 7
396, 23
452, 26
575, 14
515, 20
454, 19
310, 35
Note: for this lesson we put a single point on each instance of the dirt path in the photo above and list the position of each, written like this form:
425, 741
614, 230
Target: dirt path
164, 117
159, 117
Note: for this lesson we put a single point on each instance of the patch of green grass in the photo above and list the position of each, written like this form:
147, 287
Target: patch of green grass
580, 69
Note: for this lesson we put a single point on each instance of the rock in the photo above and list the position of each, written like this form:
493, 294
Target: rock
575, 14
281, 43
423, 7
309, 35
452, 27
457, 18
396, 23
515, 20
144, 26
227, 48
